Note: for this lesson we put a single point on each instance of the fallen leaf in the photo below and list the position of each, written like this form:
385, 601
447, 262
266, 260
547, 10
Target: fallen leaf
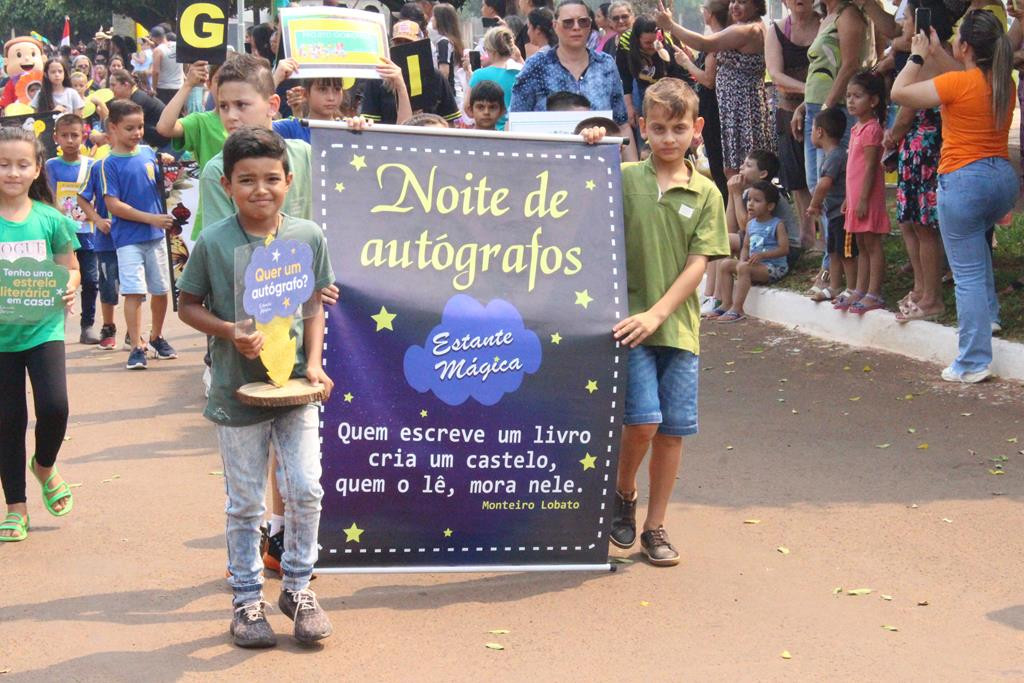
867, 368
74, 486
889, 628
757, 349
783, 549
494, 646
837, 590
216, 473
947, 520
106, 481
644, 603
908, 397
730, 362
882, 445
728, 448
913, 506
860, 591
500, 632
999, 493
785, 655
735, 338
1012, 439
751, 521
620, 560
781, 400
966, 414
922, 603
115, 476
794, 411
996, 472
922, 447
67, 438
729, 372
846, 367
808, 364
5, 671
886, 597
855, 398
911, 430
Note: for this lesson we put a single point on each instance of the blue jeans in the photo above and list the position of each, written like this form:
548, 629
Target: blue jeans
970, 200
108, 276
90, 270
662, 389
245, 451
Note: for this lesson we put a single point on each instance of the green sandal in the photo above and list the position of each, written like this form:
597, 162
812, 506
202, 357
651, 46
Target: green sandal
15, 522
55, 494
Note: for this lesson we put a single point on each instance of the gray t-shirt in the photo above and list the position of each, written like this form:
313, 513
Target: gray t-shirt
834, 167
68, 101
209, 273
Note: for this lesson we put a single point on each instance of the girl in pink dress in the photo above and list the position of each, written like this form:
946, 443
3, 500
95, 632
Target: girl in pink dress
866, 217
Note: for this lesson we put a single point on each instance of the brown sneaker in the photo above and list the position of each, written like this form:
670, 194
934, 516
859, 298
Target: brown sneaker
658, 549
311, 622
250, 628
623, 532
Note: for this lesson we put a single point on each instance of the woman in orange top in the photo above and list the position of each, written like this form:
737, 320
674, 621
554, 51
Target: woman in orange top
977, 184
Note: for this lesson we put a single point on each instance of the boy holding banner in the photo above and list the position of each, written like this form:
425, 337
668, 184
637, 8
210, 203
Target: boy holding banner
257, 178
674, 224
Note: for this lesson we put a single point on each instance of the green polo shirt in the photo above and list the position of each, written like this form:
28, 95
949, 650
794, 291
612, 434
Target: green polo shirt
662, 231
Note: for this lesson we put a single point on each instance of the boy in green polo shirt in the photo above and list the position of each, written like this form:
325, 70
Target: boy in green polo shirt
674, 224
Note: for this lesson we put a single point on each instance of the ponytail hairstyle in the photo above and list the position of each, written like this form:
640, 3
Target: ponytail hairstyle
39, 190
500, 41
873, 84
46, 93
993, 54
637, 59
544, 21
719, 10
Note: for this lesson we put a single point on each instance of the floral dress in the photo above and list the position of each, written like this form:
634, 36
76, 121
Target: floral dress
918, 176
743, 106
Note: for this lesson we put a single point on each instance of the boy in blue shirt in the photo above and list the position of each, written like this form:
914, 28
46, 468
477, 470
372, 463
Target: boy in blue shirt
256, 178
90, 199
674, 224
67, 175
131, 192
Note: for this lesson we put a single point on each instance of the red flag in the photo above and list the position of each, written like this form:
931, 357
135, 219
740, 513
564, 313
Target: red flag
65, 37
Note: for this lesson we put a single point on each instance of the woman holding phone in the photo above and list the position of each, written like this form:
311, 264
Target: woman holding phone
977, 184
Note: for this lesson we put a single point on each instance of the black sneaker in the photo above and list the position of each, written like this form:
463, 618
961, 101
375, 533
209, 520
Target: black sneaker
162, 349
624, 521
250, 627
311, 622
273, 552
658, 549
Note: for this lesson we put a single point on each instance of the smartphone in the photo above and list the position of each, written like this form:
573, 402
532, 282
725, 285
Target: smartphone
890, 162
489, 22
923, 21
474, 59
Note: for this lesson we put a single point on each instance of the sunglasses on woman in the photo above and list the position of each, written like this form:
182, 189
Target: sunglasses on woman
582, 22
620, 19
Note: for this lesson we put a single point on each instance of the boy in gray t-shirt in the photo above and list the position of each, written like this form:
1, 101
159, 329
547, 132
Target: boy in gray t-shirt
829, 198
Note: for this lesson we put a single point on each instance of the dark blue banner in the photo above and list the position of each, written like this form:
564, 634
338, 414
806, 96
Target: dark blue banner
478, 391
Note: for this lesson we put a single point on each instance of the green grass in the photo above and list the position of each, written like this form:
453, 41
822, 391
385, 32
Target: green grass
1008, 263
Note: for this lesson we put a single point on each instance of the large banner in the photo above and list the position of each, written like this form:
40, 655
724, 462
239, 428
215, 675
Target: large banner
478, 392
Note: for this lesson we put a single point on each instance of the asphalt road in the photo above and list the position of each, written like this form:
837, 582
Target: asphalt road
863, 470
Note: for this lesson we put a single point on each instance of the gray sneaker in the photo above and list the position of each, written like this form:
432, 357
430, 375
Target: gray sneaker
311, 622
88, 336
250, 627
623, 533
658, 549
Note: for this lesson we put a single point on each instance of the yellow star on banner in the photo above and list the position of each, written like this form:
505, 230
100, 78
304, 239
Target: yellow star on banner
590, 184
556, 338
353, 533
423, 413
358, 162
348, 397
583, 298
384, 319
591, 385
287, 302
448, 533
588, 462
340, 187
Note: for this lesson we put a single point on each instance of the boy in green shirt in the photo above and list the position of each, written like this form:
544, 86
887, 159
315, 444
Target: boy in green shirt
674, 224
257, 180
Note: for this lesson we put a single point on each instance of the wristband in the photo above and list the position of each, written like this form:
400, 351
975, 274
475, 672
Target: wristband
916, 59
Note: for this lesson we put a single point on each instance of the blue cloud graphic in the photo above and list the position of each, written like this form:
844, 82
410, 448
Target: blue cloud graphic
477, 351
278, 279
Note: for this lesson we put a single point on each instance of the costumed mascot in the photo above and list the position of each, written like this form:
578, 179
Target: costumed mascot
22, 55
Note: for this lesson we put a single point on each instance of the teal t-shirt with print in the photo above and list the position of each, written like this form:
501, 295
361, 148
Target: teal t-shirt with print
44, 233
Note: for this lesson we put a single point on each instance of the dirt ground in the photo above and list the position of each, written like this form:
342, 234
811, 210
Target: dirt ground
863, 469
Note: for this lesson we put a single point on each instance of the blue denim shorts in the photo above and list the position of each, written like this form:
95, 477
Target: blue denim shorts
662, 389
142, 268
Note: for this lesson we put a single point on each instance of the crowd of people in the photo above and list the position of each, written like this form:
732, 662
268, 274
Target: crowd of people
752, 172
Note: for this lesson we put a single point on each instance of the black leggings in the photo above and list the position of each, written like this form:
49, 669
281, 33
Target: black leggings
45, 365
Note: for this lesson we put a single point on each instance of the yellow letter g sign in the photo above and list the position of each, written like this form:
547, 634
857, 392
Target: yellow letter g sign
197, 29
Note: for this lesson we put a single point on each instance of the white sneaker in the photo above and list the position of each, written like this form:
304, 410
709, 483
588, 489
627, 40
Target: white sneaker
950, 375
708, 304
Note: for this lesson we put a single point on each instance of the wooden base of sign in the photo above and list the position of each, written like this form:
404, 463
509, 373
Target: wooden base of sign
295, 392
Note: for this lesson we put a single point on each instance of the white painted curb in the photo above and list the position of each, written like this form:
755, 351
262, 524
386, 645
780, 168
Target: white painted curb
922, 340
